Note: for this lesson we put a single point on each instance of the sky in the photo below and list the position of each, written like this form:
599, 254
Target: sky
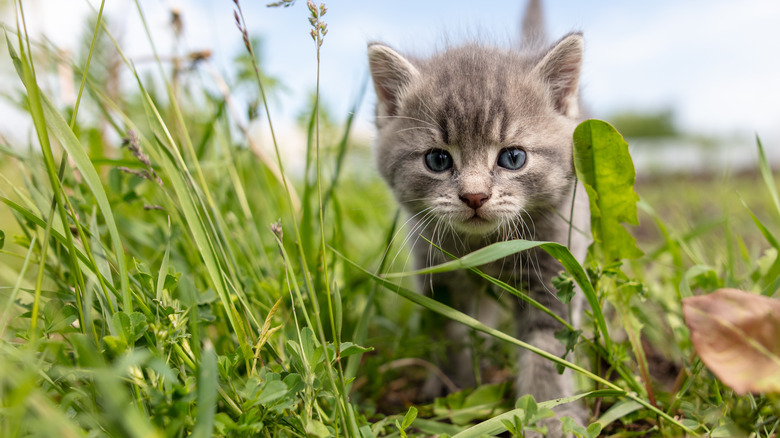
714, 63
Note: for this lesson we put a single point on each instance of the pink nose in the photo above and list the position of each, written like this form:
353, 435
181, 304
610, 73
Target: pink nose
474, 200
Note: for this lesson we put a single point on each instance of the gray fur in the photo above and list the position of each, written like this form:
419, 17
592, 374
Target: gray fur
473, 101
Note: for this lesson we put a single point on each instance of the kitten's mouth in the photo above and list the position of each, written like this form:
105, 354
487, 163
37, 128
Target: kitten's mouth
476, 224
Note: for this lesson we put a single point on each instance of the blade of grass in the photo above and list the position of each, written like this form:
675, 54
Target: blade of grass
500, 250
164, 265
98, 23
57, 235
343, 143
57, 125
361, 328
761, 227
766, 173
769, 280
17, 286
79, 156
339, 386
618, 366
208, 382
26, 71
176, 172
208, 235
253, 145
306, 273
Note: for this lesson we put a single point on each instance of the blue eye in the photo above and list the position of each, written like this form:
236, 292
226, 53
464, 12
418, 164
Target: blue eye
511, 158
438, 160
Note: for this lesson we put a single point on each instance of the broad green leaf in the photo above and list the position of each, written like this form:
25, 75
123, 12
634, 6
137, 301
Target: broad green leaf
527, 403
605, 168
565, 286
727, 430
308, 347
568, 338
569, 427
409, 417
272, 391
139, 325
316, 428
737, 335
512, 427
59, 317
593, 430
116, 344
123, 326
349, 349
129, 327
2, 239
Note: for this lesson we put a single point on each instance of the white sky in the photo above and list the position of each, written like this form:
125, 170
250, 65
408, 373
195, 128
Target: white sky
716, 63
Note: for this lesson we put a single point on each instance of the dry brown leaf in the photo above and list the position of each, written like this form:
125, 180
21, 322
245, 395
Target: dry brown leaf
737, 335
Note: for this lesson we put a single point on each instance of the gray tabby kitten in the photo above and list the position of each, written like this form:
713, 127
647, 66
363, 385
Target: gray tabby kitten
476, 144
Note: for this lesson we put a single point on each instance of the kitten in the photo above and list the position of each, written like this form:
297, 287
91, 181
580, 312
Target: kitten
476, 144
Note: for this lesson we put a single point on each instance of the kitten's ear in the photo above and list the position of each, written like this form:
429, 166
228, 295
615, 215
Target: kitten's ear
391, 73
560, 70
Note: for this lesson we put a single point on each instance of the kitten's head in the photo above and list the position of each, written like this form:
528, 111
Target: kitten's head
478, 137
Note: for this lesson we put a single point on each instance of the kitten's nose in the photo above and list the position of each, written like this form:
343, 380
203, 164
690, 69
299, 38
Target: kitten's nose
474, 200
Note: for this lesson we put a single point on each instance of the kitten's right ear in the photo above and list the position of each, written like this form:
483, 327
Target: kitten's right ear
391, 73
560, 69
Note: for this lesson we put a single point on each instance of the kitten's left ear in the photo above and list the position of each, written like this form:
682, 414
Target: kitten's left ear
560, 69
391, 73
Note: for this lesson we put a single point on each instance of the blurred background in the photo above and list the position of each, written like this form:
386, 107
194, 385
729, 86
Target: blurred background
689, 83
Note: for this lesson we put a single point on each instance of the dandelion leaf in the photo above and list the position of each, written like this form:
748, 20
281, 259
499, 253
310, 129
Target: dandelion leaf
605, 168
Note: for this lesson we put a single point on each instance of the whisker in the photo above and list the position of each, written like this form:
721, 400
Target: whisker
432, 125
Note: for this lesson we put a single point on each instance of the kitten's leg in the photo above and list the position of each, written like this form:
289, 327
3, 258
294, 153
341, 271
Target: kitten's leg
537, 375
470, 297
467, 294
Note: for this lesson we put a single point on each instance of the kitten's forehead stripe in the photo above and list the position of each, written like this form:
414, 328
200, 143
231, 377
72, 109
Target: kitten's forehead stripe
469, 91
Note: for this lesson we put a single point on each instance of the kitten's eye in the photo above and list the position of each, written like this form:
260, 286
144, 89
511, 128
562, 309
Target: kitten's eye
511, 158
438, 160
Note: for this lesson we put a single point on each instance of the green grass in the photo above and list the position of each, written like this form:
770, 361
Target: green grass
159, 278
